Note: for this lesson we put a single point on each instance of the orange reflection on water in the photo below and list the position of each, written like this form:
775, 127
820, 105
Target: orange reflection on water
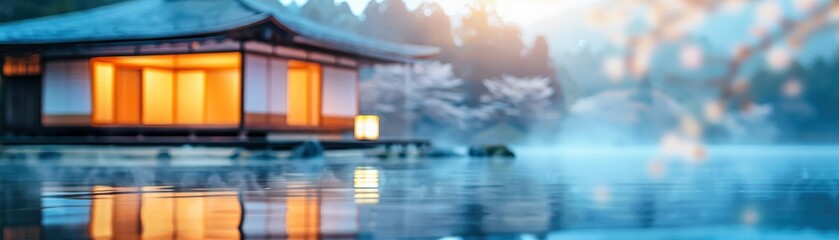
101, 213
22, 232
302, 214
126, 222
164, 215
157, 214
189, 215
222, 215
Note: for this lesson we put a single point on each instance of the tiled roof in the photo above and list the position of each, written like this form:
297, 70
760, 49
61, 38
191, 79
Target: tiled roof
154, 19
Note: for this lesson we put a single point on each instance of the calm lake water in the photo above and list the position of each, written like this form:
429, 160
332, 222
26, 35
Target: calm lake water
734, 193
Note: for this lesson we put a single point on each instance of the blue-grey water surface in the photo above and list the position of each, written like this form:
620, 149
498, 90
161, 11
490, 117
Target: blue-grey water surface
734, 193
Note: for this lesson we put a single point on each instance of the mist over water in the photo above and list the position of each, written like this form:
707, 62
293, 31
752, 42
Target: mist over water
643, 120
624, 73
743, 192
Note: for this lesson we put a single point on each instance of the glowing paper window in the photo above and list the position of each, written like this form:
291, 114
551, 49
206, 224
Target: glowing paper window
367, 127
304, 94
22, 66
223, 103
158, 96
127, 96
190, 103
187, 89
103, 92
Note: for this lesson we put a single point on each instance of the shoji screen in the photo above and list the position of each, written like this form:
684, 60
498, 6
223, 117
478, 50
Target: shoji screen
340, 97
66, 96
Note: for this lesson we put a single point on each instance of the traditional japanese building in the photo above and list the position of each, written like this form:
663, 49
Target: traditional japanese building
184, 67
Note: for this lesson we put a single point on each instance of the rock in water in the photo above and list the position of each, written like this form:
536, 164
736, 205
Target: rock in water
308, 150
263, 155
433, 152
49, 156
493, 151
237, 153
163, 155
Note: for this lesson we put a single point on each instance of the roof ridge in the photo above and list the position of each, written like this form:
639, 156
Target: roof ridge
69, 14
158, 19
248, 6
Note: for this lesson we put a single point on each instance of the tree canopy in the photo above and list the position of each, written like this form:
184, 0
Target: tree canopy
483, 46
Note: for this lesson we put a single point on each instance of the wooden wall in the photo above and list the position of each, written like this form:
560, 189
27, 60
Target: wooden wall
22, 104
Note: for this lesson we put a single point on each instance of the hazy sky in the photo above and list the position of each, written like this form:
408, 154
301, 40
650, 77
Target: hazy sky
522, 12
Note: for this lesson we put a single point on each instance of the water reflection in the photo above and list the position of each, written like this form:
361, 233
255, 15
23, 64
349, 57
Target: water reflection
588, 197
366, 184
159, 213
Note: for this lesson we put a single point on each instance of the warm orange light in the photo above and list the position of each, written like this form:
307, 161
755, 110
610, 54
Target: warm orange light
101, 214
366, 185
158, 96
183, 61
303, 215
223, 97
157, 61
315, 81
186, 89
190, 97
208, 60
126, 214
22, 66
304, 94
103, 89
223, 215
297, 98
189, 215
157, 214
127, 96
367, 127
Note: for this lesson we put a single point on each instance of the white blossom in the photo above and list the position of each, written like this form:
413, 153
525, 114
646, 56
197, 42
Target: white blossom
691, 57
431, 92
614, 68
793, 88
519, 96
805, 6
768, 13
714, 111
778, 58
